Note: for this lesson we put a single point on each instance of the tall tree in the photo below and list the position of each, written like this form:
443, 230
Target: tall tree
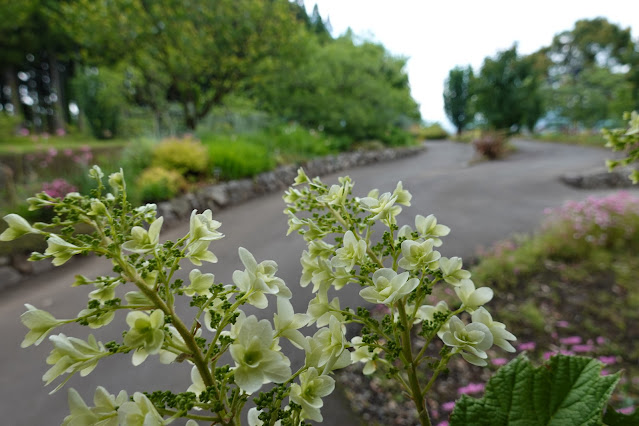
508, 95
457, 97
359, 91
205, 49
591, 72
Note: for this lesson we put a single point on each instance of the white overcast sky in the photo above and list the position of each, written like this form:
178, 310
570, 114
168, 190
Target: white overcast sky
438, 35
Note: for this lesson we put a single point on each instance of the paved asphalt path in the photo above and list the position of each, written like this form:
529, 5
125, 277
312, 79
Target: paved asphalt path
481, 202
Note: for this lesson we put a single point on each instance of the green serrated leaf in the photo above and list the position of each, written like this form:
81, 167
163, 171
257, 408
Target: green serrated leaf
567, 390
615, 418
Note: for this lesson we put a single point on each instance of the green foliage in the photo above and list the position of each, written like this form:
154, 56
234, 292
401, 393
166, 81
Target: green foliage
507, 89
159, 184
184, 155
458, 94
356, 91
236, 159
627, 140
590, 74
194, 52
565, 391
433, 131
136, 156
99, 96
8, 125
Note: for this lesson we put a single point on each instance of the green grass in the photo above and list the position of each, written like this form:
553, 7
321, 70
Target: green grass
35, 143
584, 139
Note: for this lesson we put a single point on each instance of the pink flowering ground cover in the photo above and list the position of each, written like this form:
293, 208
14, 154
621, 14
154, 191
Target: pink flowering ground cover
570, 289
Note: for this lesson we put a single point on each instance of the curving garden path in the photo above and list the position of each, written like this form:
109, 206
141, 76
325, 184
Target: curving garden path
481, 203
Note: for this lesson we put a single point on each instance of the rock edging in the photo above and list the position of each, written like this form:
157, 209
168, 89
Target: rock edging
599, 178
16, 268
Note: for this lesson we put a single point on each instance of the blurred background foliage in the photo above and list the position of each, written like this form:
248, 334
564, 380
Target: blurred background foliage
583, 81
123, 68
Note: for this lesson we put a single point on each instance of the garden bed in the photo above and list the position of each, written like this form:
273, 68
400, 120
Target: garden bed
569, 289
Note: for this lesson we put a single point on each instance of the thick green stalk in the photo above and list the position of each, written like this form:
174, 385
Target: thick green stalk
415, 390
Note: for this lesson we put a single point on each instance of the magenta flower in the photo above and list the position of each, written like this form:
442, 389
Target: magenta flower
500, 361
608, 359
528, 346
572, 340
627, 410
448, 406
58, 188
471, 388
582, 348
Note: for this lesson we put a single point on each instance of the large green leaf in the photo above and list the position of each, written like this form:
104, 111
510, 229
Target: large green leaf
567, 390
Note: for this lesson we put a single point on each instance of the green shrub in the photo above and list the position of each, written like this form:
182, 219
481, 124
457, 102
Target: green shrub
432, 132
235, 159
186, 155
159, 184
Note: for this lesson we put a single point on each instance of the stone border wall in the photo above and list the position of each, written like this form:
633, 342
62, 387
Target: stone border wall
599, 178
15, 268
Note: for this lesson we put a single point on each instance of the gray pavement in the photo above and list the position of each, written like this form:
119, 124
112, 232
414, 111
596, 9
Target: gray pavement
482, 203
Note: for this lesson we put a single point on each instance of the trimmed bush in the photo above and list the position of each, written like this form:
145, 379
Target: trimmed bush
159, 184
187, 156
238, 159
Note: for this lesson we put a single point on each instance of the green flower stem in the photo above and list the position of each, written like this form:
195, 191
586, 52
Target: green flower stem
341, 220
189, 339
173, 413
420, 355
416, 392
440, 367
360, 320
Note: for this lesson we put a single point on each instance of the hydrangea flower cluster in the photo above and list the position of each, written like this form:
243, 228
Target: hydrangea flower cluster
398, 270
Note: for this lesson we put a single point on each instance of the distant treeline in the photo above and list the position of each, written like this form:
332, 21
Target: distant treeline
585, 79
113, 59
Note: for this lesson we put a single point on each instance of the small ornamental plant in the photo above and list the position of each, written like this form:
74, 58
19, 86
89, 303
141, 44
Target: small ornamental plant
351, 241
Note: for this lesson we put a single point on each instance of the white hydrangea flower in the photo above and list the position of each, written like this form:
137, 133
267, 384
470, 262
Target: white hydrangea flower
256, 362
310, 391
71, 355
472, 340
501, 336
320, 311
352, 252
473, 298
104, 413
287, 323
257, 280
427, 227
382, 208
199, 283
18, 226
253, 418
139, 412
61, 250
418, 255
452, 271
362, 354
389, 286
146, 334
327, 347
403, 196
143, 241
40, 324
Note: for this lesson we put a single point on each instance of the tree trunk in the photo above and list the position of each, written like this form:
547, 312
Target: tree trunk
56, 84
12, 81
